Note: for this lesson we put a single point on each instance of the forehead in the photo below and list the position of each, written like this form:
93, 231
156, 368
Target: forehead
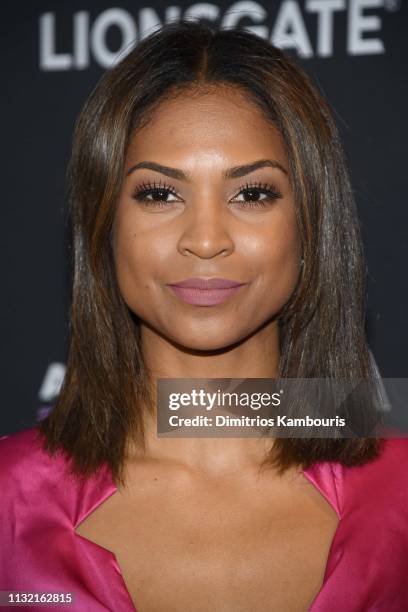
222, 122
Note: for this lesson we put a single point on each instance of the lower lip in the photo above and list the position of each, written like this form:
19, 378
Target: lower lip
204, 297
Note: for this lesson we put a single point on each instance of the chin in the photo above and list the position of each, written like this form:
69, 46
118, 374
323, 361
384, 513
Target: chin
204, 341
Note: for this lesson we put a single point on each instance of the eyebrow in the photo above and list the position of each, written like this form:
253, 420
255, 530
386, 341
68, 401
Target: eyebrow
235, 172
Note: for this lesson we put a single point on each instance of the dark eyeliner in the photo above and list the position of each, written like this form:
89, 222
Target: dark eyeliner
145, 189
269, 189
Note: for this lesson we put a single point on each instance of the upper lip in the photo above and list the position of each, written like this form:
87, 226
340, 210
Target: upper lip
207, 283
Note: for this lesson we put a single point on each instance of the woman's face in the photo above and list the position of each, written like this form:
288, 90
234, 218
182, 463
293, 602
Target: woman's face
208, 216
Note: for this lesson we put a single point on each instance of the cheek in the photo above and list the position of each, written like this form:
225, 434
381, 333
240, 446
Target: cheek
134, 258
275, 256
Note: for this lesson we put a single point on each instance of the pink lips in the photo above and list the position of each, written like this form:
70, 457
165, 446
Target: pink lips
205, 291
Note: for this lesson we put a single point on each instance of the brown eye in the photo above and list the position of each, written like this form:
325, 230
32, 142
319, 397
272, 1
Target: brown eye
154, 194
258, 195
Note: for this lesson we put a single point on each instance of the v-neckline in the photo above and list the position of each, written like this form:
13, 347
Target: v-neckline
317, 474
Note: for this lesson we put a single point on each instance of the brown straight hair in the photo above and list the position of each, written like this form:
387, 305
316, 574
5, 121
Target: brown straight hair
106, 388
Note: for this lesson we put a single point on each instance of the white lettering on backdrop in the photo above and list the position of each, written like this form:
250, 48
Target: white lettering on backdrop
289, 29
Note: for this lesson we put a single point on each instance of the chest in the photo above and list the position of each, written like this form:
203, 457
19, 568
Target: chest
215, 549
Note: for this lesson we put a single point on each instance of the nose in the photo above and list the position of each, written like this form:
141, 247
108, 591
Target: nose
207, 231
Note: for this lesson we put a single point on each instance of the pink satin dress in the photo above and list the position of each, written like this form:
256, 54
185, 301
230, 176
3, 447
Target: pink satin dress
41, 505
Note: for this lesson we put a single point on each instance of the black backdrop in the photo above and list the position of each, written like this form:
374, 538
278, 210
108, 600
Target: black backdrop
53, 54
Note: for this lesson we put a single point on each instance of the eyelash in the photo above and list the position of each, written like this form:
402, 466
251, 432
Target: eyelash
146, 189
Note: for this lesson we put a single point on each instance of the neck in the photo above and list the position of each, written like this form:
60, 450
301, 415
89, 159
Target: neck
256, 357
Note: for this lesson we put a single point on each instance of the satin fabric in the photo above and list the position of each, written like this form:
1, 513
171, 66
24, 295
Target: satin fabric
42, 504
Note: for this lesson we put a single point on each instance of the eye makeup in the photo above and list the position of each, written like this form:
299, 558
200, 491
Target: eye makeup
155, 194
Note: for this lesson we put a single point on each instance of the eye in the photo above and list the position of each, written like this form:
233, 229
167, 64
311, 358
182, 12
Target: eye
157, 194
253, 191
154, 194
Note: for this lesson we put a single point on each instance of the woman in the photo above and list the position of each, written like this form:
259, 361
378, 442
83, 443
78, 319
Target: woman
206, 154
